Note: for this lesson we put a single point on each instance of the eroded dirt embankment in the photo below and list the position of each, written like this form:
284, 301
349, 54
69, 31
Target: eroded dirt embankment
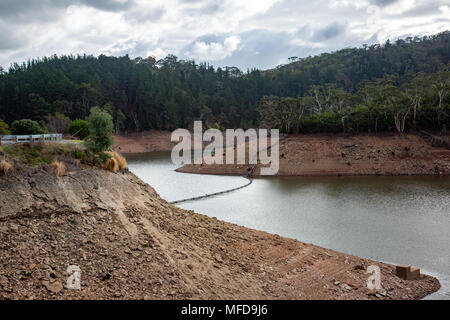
142, 142
335, 155
131, 244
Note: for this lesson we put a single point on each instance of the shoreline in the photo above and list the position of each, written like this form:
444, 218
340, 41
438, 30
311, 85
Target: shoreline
359, 155
112, 217
321, 155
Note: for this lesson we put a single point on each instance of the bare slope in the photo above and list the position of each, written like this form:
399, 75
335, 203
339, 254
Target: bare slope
131, 244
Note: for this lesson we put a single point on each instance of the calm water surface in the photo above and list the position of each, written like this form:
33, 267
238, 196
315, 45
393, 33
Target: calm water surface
404, 220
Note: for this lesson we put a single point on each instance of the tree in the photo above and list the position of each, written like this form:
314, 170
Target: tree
100, 138
267, 110
26, 126
286, 113
394, 103
441, 83
56, 123
340, 103
79, 128
415, 91
170, 93
370, 95
4, 127
323, 97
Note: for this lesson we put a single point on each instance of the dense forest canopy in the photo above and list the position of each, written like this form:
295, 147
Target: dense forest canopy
395, 86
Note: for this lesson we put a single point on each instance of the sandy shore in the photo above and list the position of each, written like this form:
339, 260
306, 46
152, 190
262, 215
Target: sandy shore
338, 155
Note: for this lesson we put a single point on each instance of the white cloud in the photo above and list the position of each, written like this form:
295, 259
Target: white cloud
224, 31
214, 51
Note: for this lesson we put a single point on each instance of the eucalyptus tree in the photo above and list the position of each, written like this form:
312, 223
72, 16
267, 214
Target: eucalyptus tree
394, 104
415, 91
440, 81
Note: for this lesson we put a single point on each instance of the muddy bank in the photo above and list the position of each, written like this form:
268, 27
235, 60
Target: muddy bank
131, 244
142, 142
334, 155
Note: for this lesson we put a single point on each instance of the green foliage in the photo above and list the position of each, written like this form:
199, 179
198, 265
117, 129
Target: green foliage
35, 154
79, 155
56, 123
144, 94
26, 126
100, 139
79, 128
4, 127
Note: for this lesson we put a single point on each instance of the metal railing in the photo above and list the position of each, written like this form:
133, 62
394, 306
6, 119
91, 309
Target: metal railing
13, 139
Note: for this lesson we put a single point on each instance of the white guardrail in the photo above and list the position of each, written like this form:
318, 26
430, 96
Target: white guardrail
11, 139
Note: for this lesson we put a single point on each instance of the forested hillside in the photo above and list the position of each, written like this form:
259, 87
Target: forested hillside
395, 86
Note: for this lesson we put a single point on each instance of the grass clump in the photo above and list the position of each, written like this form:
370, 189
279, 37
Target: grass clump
34, 154
112, 165
60, 168
5, 167
121, 161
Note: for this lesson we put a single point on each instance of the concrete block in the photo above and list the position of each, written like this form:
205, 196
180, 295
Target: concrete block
407, 272
402, 271
414, 274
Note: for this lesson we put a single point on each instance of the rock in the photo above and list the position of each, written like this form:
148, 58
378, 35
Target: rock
382, 293
346, 287
54, 287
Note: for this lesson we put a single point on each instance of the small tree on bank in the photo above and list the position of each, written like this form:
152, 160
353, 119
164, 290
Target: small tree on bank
4, 129
79, 128
100, 139
26, 126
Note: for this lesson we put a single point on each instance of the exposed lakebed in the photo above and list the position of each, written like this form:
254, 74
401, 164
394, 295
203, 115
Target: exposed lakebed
404, 220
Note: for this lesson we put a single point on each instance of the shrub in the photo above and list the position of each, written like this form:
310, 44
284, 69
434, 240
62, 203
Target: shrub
4, 127
56, 123
79, 155
112, 165
60, 168
79, 128
26, 126
100, 138
5, 167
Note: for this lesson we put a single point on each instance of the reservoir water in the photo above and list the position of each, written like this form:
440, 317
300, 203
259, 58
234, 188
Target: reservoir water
400, 220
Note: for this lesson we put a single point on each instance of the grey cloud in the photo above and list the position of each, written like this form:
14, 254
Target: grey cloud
321, 34
264, 49
36, 9
382, 3
206, 8
10, 40
144, 15
330, 31
107, 5
423, 9
270, 36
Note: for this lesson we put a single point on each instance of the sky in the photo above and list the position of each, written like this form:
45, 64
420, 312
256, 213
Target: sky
244, 33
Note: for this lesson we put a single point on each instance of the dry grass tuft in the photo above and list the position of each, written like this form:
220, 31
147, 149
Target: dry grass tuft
60, 168
5, 166
112, 165
121, 161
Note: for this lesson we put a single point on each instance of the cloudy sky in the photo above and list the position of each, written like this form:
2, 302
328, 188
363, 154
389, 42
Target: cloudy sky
242, 33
